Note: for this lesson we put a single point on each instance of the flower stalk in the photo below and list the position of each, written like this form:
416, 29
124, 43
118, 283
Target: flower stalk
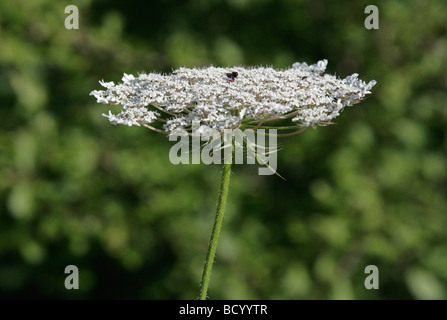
224, 186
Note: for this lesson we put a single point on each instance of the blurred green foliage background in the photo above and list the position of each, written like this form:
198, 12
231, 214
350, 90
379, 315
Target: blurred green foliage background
74, 189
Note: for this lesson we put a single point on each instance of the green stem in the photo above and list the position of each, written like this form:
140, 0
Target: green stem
224, 185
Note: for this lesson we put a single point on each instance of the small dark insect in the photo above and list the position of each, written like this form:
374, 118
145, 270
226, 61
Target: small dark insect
232, 75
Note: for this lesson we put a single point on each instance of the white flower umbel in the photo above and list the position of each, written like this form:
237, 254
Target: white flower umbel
228, 98
212, 101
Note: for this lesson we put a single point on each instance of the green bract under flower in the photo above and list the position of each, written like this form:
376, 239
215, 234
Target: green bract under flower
217, 101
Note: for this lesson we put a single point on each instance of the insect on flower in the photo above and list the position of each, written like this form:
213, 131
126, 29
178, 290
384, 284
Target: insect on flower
231, 76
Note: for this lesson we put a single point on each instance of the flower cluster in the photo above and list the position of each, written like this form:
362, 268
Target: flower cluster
226, 98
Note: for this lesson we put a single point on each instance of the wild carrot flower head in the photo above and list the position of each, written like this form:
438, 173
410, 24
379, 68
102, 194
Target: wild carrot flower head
228, 98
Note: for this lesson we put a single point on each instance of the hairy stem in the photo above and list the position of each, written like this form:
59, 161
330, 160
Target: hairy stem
224, 186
